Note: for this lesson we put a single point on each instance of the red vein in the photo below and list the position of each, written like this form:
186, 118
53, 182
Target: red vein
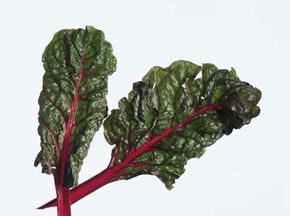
139, 164
114, 156
51, 153
88, 114
70, 125
59, 86
53, 104
107, 175
128, 142
54, 137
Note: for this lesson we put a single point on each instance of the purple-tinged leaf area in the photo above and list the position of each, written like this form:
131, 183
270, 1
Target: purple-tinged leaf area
164, 101
72, 102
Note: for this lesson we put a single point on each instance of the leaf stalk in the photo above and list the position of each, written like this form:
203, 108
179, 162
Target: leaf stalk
111, 173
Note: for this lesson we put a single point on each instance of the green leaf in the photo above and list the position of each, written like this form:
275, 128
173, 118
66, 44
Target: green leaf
72, 102
172, 116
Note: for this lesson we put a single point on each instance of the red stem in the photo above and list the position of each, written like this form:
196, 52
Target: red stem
108, 175
70, 125
63, 202
62, 191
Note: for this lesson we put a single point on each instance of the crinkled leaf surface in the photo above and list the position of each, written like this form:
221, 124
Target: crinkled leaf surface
72, 102
172, 103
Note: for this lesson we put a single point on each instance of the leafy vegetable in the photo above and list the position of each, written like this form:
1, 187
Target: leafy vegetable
161, 104
169, 117
72, 102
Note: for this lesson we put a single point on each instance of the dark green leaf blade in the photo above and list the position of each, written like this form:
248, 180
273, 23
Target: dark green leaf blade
72, 102
172, 116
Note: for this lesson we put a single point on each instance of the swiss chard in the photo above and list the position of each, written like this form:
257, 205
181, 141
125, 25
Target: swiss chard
169, 117
72, 102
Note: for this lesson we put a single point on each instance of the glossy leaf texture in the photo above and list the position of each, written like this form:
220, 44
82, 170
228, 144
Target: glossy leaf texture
172, 116
72, 102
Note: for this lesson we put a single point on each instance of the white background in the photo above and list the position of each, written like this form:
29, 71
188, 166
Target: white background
245, 174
